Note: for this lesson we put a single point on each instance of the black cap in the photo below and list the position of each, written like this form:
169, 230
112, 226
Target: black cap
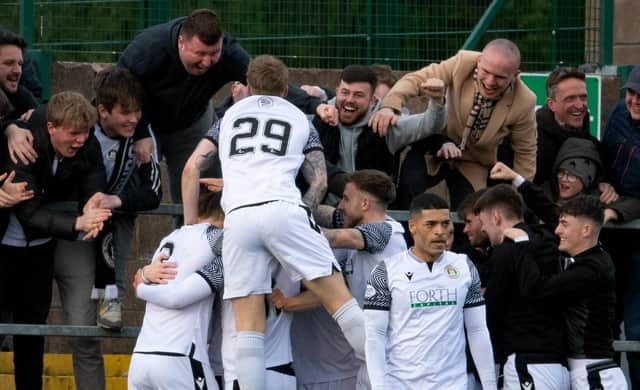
633, 82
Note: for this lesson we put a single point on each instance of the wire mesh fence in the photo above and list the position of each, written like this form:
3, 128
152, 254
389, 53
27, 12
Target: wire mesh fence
406, 34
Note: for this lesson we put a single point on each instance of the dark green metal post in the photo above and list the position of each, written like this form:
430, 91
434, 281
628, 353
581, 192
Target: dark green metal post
142, 14
26, 20
369, 11
606, 32
483, 24
554, 32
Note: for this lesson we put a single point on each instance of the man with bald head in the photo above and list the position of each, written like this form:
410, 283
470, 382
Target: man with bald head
487, 102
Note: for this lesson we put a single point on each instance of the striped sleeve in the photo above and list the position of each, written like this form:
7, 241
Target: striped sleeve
313, 143
377, 295
474, 294
376, 236
214, 237
213, 274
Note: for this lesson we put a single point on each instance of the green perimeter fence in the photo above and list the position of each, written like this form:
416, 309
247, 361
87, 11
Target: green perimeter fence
406, 34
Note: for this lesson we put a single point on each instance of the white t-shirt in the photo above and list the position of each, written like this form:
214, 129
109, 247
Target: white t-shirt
425, 335
261, 144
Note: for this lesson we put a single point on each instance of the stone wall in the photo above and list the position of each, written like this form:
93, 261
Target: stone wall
150, 229
626, 39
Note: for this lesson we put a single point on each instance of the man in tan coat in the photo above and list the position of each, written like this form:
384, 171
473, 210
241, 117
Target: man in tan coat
487, 102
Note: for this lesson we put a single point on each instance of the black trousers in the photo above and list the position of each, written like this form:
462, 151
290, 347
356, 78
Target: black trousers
25, 291
415, 180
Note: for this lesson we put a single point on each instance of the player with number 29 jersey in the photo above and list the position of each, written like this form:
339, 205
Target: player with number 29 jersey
263, 138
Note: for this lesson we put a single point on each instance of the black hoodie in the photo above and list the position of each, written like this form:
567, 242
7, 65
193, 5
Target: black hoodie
542, 200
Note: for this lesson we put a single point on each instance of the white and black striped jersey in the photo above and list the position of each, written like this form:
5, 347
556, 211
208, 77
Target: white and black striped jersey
261, 143
174, 328
425, 343
382, 240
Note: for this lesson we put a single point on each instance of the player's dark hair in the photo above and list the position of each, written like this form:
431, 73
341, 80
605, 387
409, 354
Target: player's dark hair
466, 206
560, 74
204, 24
117, 85
426, 201
267, 75
584, 206
13, 39
385, 75
376, 183
503, 197
209, 204
359, 74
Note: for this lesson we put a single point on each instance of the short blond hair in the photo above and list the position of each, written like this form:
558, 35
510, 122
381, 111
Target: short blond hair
267, 75
71, 109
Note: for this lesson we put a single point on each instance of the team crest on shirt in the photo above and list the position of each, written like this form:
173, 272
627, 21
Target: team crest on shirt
452, 272
369, 291
112, 155
265, 101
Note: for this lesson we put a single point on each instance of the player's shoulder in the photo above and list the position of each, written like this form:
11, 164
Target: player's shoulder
396, 227
192, 233
455, 258
458, 261
396, 260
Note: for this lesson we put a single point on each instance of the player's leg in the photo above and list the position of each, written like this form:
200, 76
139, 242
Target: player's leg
247, 278
302, 250
250, 324
337, 300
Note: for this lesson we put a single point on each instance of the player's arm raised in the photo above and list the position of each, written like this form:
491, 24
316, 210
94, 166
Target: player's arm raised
372, 237
314, 170
190, 184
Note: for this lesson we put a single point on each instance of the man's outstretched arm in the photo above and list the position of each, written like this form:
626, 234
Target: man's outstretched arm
204, 152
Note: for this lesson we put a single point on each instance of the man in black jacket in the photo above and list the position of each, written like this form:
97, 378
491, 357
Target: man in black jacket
586, 288
564, 116
12, 48
527, 335
132, 185
181, 64
68, 168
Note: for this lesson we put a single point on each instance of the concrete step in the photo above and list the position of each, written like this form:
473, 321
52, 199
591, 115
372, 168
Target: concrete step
58, 371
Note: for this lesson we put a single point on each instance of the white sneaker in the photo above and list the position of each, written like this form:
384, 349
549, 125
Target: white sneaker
110, 314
